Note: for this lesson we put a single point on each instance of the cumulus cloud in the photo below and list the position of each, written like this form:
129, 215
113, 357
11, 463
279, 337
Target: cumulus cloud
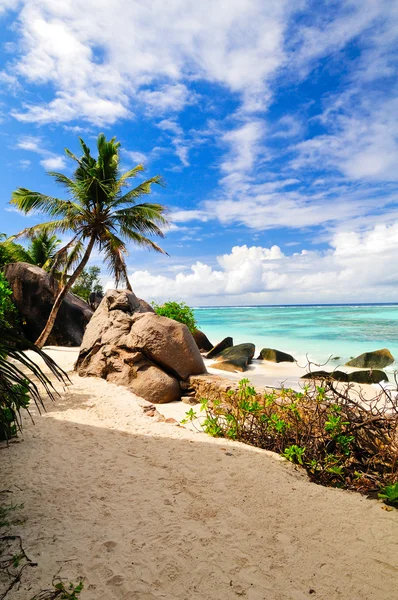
358, 265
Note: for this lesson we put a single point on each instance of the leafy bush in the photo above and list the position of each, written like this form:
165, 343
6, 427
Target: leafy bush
8, 312
179, 311
338, 436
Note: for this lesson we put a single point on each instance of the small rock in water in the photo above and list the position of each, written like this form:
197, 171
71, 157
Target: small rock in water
218, 348
378, 359
276, 356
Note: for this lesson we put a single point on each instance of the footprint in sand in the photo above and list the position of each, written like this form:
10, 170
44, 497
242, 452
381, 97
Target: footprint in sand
110, 546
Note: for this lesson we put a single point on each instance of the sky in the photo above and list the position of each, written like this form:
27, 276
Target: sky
273, 123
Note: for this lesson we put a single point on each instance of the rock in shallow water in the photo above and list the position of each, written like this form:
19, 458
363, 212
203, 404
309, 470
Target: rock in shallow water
218, 348
276, 356
369, 376
378, 359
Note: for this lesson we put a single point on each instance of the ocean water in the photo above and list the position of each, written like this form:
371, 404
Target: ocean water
321, 331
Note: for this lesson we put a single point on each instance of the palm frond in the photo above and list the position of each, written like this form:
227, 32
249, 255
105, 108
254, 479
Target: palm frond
50, 227
142, 240
27, 201
139, 190
18, 372
16, 252
123, 179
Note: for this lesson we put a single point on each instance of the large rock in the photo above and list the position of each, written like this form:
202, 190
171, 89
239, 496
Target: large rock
95, 299
34, 292
218, 348
369, 376
127, 345
275, 355
168, 343
239, 351
372, 360
233, 364
235, 358
202, 341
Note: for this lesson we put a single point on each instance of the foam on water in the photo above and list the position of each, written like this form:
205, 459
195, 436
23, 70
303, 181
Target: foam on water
319, 331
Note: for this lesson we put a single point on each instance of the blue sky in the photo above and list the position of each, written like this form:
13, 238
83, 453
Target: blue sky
274, 124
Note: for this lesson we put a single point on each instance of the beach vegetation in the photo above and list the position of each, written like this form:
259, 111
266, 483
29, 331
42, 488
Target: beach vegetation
8, 311
61, 590
98, 213
390, 494
178, 311
341, 438
88, 282
21, 379
40, 252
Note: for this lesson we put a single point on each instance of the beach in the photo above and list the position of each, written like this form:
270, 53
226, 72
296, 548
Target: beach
146, 509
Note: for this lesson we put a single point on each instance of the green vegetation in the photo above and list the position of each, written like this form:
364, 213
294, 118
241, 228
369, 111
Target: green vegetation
390, 494
99, 212
179, 311
62, 590
341, 440
17, 371
8, 312
87, 282
41, 251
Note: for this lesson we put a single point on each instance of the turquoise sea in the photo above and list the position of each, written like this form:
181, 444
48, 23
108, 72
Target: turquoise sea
320, 331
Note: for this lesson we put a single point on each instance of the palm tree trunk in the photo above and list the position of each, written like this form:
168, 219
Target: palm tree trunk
41, 340
128, 284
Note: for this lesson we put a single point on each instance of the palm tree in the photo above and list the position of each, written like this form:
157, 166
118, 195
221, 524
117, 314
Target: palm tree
99, 213
41, 252
43, 249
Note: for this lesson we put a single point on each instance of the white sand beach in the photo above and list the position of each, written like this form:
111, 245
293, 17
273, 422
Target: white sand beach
143, 509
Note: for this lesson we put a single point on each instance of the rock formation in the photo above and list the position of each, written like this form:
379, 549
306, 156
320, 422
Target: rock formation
275, 355
235, 358
131, 346
372, 360
202, 341
369, 376
33, 292
218, 348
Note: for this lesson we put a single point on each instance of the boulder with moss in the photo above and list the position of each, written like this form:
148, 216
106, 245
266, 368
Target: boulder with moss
378, 359
275, 356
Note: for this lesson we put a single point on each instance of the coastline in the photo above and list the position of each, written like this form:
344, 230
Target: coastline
318, 332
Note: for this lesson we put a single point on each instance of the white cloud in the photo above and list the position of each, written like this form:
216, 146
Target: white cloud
53, 163
169, 98
137, 158
50, 161
358, 264
244, 147
146, 51
362, 144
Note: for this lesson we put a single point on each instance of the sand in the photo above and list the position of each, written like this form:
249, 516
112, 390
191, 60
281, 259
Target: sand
149, 510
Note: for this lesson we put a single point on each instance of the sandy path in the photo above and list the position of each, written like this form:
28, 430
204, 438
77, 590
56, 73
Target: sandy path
147, 510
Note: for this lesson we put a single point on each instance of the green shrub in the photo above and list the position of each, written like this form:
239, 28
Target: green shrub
8, 312
338, 436
179, 311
